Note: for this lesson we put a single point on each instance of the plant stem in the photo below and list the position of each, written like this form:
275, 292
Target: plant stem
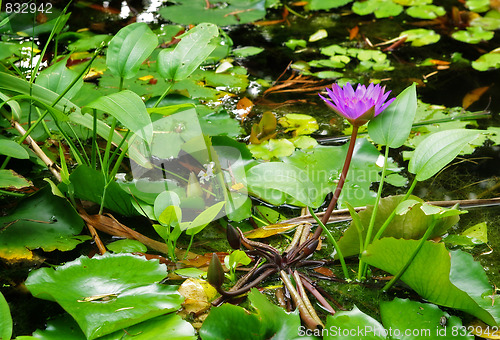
362, 267
393, 213
412, 256
341, 182
332, 240
169, 86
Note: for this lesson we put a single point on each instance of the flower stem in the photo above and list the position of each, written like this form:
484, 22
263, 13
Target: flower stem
362, 267
341, 182
412, 256
332, 240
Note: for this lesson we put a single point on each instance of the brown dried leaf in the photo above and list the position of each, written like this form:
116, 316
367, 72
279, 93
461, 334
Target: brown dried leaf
473, 96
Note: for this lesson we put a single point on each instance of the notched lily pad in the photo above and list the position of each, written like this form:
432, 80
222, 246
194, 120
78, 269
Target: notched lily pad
107, 293
421, 37
41, 221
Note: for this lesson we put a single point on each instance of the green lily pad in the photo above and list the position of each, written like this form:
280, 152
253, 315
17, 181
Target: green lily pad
490, 22
474, 235
426, 11
300, 124
421, 37
169, 326
315, 5
40, 221
416, 320
294, 43
473, 35
247, 51
487, 61
381, 8
273, 148
127, 246
352, 325
5, 319
478, 6
231, 12
454, 281
233, 322
107, 293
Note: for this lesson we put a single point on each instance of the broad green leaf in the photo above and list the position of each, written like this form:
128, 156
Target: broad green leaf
164, 200
194, 47
58, 77
438, 284
437, 150
169, 326
409, 223
170, 216
14, 106
10, 179
127, 246
40, 221
392, 127
21, 86
129, 109
107, 293
89, 185
203, 219
416, 320
235, 258
12, 149
5, 319
129, 48
300, 124
246, 51
353, 324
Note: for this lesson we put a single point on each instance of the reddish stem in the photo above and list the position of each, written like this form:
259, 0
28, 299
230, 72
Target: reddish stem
341, 182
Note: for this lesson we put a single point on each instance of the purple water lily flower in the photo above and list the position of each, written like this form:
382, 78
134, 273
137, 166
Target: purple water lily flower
359, 106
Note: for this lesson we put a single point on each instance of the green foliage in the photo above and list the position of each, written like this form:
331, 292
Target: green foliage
10, 179
437, 150
421, 36
5, 319
234, 259
454, 281
473, 35
232, 12
426, 11
127, 246
487, 61
353, 320
392, 127
194, 47
99, 292
40, 221
233, 322
381, 8
409, 223
129, 48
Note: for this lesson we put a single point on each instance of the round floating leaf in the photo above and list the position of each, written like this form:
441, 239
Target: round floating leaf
437, 150
381, 8
107, 293
169, 326
229, 12
346, 325
420, 320
315, 5
426, 11
473, 35
247, 51
40, 221
127, 246
129, 48
421, 37
454, 281
273, 148
300, 124
487, 61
